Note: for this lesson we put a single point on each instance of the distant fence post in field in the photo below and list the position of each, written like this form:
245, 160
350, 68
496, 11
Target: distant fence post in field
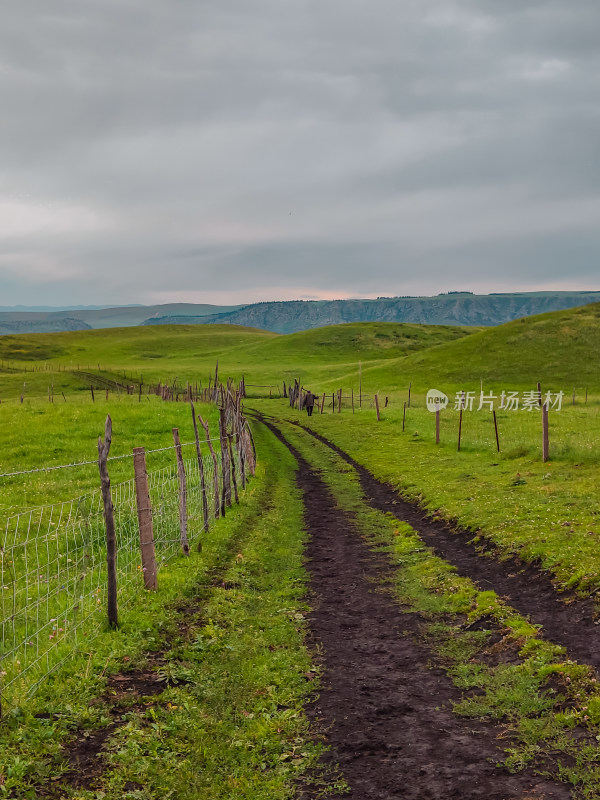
404, 416
545, 437
437, 426
460, 418
496, 430
377, 408
109, 523
409, 390
144, 512
185, 546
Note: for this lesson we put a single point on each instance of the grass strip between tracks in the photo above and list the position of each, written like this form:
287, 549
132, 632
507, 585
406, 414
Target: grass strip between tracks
546, 706
225, 634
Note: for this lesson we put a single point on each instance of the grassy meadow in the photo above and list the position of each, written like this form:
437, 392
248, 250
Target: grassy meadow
236, 655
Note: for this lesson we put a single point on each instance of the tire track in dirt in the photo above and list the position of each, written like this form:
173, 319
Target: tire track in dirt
528, 589
385, 711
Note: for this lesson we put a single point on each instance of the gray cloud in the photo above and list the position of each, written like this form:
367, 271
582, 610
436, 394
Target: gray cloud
233, 151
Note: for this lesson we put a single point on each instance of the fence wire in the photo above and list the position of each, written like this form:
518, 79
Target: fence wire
53, 569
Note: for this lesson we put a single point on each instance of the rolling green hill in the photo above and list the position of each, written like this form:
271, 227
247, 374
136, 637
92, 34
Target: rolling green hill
560, 349
190, 352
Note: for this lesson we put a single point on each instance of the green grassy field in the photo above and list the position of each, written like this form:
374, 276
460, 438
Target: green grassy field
542, 512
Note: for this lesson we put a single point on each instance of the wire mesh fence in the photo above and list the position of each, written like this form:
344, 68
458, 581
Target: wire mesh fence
53, 568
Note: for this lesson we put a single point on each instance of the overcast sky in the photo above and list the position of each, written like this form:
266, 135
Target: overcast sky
239, 150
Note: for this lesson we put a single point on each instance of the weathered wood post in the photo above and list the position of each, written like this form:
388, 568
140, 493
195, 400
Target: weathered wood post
183, 520
409, 391
250, 448
360, 384
545, 437
144, 512
460, 416
437, 425
496, 430
205, 518
92, 391
353, 399
213, 455
233, 469
109, 523
404, 416
225, 466
323, 403
377, 408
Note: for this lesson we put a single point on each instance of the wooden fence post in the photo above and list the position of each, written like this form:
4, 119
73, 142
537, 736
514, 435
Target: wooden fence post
409, 390
92, 391
217, 499
144, 512
225, 466
496, 430
460, 415
185, 546
437, 426
404, 416
545, 437
250, 448
205, 518
323, 403
377, 408
233, 475
109, 523
360, 384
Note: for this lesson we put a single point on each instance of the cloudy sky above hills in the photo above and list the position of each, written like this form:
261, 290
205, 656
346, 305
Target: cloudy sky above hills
239, 150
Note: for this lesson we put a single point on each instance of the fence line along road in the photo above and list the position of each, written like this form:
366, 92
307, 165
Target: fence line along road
54, 588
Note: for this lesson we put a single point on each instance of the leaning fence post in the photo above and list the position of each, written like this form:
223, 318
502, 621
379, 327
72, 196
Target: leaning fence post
213, 455
182, 495
233, 475
437, 425
109, 522
496, 429
144, 512
377, 408
225, 465
545, 438
404, 416
201, 472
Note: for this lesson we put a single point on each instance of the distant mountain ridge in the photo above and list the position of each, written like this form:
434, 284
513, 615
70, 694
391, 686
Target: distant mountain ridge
454, 308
